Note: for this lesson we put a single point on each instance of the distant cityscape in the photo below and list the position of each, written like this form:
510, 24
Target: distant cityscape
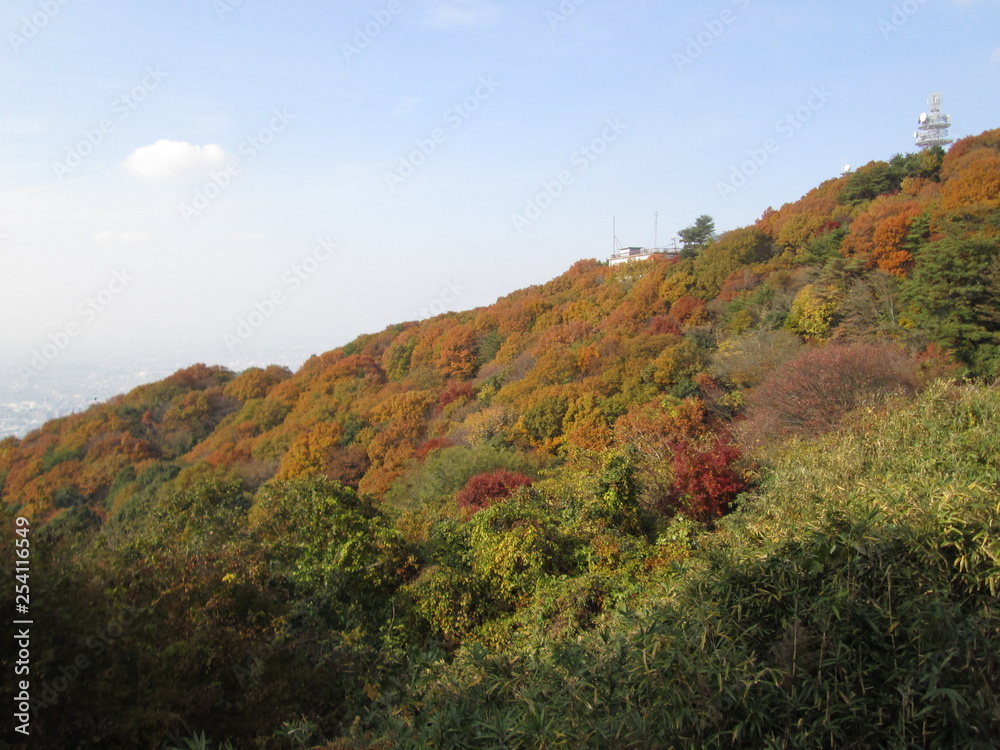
27, 404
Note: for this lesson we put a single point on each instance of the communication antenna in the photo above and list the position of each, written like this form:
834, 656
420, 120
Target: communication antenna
656, 229
932, 127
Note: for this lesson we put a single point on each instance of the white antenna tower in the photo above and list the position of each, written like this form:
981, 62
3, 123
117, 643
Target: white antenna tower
932, 128
656, 229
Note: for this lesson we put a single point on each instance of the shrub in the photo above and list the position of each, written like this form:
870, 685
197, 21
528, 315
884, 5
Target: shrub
486, 489
544, 421
813, 312
68, 497
452, 602
457, 391
705, 482
813, 392
747, 360
829, 612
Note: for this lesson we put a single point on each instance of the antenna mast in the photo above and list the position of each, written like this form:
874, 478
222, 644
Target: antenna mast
656, 230
932, 129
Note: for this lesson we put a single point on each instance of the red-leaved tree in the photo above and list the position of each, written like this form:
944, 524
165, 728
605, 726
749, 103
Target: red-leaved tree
813, 392
489, 488
705, 481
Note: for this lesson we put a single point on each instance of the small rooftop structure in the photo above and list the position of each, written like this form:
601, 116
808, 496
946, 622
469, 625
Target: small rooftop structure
628, 254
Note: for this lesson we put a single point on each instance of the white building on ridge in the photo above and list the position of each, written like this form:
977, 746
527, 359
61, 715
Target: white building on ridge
628, 254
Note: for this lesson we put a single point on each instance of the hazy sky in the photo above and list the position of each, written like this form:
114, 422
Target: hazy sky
318, 170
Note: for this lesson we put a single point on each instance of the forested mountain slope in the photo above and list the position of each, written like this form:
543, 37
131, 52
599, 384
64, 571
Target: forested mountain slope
650, 505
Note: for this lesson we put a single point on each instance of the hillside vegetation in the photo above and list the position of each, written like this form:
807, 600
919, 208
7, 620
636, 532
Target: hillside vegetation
743, 499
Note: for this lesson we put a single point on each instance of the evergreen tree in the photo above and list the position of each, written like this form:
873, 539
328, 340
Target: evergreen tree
954, 294
696, 236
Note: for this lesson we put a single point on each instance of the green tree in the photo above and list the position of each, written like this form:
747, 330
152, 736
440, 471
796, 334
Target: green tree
696, 236
926, 163
880, 178
871, 181
544, 421
618, 501
332, 545
954, 294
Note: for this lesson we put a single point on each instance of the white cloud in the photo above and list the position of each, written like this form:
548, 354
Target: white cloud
39, 188
995, 57
121, 238
464, 14
165, 159
247, 237
405, 106
20, 126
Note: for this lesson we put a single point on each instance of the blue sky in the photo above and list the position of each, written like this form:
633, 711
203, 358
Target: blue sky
170, 169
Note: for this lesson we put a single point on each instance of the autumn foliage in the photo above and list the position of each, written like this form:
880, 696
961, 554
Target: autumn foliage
813, 392
877, 255
483, 490
879, 235
705, 481
312, 526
